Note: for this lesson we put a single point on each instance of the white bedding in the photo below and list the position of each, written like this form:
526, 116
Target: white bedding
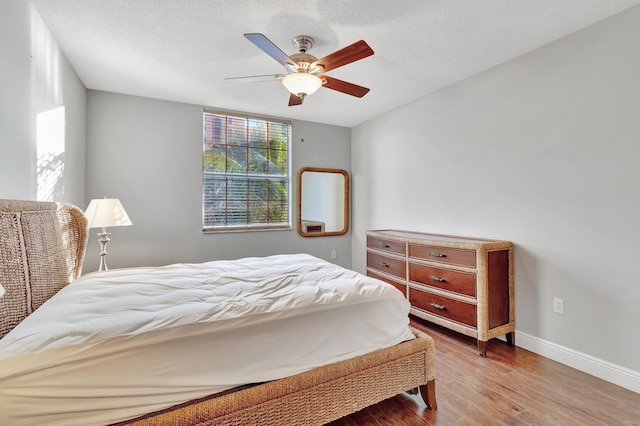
115, 345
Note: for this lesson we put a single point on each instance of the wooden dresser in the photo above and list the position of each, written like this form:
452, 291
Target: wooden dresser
465, 284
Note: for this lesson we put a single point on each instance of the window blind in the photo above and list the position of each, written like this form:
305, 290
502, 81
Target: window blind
246, 173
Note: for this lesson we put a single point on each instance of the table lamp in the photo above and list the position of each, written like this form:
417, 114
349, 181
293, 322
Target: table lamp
104, 213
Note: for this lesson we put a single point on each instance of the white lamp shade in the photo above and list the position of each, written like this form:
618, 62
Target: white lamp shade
1, 291
106, 212
302, 83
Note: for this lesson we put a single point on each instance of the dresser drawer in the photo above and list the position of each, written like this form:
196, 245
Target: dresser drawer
386, 264
446, 255
446, 279
401, 287
455, 310
386, 245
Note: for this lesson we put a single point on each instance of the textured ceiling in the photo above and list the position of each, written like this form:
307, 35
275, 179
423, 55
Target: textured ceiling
182, 50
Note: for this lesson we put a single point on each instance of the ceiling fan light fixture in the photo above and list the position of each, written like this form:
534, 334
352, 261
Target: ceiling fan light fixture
302, 84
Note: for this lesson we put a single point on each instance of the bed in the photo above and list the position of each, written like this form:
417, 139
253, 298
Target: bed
173, 345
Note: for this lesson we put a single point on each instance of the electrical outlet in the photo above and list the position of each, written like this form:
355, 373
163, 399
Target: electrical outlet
334, 255
558, 305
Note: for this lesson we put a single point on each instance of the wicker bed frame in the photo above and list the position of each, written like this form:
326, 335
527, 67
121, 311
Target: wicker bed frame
42, 247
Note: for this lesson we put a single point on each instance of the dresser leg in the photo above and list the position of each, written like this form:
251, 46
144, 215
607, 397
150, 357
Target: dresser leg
482, 348
511, 338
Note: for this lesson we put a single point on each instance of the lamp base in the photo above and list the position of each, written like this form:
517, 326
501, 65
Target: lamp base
103, 239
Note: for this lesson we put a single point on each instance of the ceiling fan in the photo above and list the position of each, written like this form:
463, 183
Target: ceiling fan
305, 72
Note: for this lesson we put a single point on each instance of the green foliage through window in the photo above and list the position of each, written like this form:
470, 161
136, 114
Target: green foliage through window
246, 173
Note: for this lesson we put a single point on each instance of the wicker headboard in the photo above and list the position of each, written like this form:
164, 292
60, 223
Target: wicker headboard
42, 247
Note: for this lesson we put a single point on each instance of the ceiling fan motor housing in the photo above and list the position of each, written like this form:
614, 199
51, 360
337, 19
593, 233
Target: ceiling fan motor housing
303, 60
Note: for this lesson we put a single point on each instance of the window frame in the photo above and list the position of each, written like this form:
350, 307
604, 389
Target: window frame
247, 225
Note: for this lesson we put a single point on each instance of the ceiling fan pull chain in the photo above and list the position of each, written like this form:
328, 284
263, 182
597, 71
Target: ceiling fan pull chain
302, 123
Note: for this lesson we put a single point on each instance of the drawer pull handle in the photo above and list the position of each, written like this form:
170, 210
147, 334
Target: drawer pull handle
384, 265
437, 254
435, 305
383, 245
440, 280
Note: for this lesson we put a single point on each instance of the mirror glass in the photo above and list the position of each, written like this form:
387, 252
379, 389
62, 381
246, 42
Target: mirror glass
323, 202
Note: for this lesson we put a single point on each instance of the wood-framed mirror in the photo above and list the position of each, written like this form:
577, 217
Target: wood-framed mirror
323, 202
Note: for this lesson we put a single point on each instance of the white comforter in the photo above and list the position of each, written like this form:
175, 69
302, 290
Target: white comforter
114, 345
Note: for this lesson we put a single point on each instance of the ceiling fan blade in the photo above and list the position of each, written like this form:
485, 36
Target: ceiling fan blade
354, 52
269, 48
254, 78
344, 87
295, 100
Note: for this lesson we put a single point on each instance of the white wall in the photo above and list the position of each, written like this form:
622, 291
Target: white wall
35, 78
148, 153
543, 151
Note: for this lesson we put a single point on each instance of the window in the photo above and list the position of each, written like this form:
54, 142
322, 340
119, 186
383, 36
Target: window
246, 173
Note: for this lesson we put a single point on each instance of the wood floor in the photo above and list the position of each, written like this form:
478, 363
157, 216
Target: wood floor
511, 386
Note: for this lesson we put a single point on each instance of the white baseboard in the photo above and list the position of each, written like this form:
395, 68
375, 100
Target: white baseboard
604, 370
